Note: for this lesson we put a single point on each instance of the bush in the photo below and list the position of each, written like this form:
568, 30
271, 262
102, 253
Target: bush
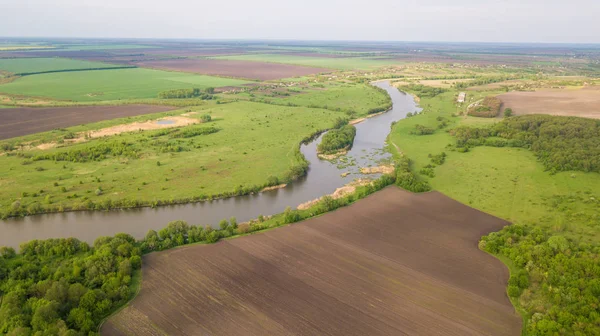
508, 112
422, 130
205, 118
187, 93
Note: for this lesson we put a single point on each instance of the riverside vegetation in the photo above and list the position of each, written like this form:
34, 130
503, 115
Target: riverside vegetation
64, 286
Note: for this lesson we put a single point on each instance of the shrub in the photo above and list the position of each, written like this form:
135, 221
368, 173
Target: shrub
422, 130
205, 118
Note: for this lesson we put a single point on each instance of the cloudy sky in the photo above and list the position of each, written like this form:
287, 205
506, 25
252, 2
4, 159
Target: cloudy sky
393, 20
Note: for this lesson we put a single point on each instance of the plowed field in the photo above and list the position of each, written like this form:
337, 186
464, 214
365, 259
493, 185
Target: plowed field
394, 263
576, 103
29, 120
239, 69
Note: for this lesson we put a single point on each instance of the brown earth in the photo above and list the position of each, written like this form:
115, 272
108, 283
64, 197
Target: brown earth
569, 102
240, 69
29, 120
394, 263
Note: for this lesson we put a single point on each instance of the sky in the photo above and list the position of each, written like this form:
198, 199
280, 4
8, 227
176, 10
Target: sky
542, 21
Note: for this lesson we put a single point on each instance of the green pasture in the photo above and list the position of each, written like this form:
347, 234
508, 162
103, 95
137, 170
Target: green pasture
110, 84
348, 97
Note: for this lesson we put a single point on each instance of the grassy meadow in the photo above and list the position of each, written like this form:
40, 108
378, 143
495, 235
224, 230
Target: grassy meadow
254, 142
110, 84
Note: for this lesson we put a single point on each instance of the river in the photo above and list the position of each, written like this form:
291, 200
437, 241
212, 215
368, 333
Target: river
323, 178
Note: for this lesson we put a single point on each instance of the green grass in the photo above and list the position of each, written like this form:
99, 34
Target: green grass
506, 182
355, 97
510, 183
256, 141
346, 63
35, 65
110, 84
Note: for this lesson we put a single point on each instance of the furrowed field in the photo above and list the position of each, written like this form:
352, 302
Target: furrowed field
110, 84
386, 265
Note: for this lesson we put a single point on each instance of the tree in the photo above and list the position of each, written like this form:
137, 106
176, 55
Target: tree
508, 112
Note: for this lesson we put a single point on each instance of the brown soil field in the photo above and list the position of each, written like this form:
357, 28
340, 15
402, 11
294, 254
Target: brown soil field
394, 263
29, 120
197, 52
240, 69
570, 102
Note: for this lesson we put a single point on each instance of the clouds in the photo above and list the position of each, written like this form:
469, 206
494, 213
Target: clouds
410, 20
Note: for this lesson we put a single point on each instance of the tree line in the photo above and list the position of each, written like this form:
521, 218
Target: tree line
560, 143
558, 282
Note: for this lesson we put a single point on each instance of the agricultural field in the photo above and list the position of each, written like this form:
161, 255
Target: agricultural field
21, 121
110, 84
25, 66
238, 69
580, 102
385, 265
346, 63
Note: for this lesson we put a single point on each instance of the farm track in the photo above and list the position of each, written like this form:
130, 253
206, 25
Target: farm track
29, 120
394, 263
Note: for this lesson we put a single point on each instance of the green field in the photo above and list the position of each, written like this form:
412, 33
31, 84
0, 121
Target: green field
110, 84
355, 99
35, 65
350, 97
255, 141
347, 63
